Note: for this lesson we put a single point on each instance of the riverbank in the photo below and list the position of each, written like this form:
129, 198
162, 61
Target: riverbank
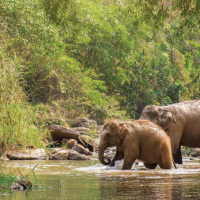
78, 142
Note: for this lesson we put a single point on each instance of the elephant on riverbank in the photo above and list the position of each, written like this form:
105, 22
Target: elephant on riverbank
186, 129
139, 139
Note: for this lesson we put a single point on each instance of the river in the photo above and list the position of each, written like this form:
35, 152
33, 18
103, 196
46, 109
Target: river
91, 180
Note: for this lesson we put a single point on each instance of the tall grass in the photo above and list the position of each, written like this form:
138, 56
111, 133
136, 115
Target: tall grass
17, 118
6, 179
41, 82
6, 182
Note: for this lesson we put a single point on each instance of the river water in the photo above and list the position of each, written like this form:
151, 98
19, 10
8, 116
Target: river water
91, 180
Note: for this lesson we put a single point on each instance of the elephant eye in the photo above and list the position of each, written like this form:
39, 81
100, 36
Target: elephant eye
108, 135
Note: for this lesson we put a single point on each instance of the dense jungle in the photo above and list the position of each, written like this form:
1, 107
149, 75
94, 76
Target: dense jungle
97, 58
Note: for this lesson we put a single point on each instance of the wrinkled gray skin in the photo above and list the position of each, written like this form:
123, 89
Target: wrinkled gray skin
186, 129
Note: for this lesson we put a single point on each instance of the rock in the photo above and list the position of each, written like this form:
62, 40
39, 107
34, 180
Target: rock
60, 132
71, 143
30, 154
96, 144
4, 158
109, 156
63, 154
54, 150
60, 155
83, 122
81, 157
195, 152
25, 184
99, 128
79, 148
110, 152
72, 153
22, 185
89, 141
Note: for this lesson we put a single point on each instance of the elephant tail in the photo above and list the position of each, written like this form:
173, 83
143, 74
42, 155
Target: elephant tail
174, 163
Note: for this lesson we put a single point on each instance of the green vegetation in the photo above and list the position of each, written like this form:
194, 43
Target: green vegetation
14, 179
186, 150
7, 179
99, 59
6, 182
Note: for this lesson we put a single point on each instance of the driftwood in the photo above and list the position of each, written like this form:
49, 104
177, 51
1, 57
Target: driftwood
60, 132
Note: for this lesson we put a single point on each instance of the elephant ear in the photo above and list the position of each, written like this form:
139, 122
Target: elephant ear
166, 119
115, 127
149, 112
123, 131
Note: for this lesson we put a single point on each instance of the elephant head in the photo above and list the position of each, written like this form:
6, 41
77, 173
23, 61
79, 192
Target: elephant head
160, 116
112, 134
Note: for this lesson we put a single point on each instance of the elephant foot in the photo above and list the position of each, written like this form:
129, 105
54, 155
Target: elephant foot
112, 164
178, 156
150, 166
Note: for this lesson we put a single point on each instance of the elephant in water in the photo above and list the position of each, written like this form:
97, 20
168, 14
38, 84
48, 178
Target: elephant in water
186, 129
139, 139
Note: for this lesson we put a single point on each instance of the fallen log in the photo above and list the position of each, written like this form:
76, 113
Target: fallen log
60, 132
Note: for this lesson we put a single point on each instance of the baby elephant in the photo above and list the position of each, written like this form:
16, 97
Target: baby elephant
139, 139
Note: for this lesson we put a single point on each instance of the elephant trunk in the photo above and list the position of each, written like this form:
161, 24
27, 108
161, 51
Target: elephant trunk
101, 156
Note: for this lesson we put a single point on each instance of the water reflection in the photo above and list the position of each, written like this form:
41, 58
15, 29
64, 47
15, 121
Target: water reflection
167, 187
136, 188
91, 180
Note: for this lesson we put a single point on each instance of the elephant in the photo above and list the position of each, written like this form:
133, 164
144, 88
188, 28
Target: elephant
138, 139
185, 131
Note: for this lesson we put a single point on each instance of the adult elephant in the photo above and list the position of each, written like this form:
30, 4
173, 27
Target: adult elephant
139, 139
186, 130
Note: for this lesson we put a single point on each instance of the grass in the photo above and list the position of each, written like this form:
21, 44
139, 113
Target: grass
11, 178
6, 182
6, 179
18, 126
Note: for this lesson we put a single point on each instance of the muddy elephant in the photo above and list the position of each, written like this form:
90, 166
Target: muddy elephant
186, 129
139, 139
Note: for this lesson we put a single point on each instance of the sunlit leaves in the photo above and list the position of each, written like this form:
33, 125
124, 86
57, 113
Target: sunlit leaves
84, 50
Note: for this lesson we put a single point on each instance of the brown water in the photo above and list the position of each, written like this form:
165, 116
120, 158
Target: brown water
91, 180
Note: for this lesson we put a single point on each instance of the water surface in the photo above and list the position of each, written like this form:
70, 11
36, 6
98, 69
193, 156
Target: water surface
91, 180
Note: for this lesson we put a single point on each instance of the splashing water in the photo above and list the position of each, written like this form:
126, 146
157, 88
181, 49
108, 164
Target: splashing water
119, 165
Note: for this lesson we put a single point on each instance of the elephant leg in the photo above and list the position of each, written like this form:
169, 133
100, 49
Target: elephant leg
127, 165
118, 156
128, 162
165, 161
150, 165
178, 156
165, 165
